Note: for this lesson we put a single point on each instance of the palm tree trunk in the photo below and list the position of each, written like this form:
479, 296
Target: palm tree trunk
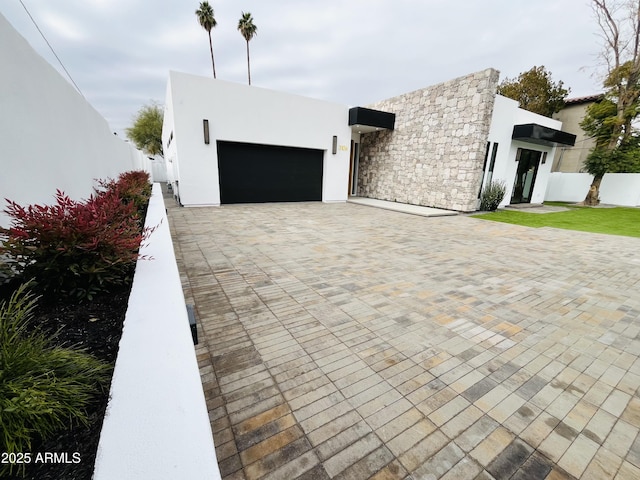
248, 64
212, 62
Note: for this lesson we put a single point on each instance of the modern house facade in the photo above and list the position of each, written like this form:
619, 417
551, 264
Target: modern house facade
437, 147
231, 143
520, 147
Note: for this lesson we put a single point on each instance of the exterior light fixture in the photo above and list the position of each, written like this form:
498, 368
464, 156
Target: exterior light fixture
205, 127
191, 314
334, 148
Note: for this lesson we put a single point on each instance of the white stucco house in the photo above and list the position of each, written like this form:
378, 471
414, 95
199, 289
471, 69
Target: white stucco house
437, 147
520, 149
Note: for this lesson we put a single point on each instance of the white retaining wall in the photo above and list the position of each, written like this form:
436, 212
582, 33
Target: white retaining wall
616, 188
157, 426
51, 137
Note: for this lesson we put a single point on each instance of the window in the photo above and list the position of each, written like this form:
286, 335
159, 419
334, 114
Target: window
484, 168
492, 164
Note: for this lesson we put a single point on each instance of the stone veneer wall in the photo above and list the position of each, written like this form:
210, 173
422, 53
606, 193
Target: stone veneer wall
435, 155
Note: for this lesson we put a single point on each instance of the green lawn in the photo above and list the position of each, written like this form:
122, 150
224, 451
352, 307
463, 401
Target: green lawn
615, 221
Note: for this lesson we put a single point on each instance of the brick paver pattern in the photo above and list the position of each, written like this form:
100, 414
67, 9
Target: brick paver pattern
344, 341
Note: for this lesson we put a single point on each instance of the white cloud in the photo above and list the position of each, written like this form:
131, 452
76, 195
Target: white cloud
64, 27
356, 52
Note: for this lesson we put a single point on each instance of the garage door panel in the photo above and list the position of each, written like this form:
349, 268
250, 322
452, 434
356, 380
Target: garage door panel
251, 173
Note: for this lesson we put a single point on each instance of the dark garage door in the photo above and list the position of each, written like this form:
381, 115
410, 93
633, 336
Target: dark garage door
251, 173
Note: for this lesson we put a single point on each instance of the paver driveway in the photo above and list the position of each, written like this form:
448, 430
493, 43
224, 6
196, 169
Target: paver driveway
343, 341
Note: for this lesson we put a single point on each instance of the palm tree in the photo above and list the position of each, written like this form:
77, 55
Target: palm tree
248, 31
207, 21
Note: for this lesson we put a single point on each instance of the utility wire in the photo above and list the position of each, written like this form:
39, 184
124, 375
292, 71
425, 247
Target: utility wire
51, 48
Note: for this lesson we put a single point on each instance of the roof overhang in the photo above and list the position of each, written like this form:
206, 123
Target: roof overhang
366, 120
538, 134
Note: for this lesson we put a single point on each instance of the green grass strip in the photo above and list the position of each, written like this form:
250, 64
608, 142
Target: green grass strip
613, 221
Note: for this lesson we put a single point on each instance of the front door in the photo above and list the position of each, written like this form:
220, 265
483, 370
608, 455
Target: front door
528, 162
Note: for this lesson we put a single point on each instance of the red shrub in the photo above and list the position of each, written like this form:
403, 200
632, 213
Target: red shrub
132, 187
76, 248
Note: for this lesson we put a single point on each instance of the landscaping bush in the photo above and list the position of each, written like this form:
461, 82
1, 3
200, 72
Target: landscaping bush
76, 248
42, 387
492, 195
132, 187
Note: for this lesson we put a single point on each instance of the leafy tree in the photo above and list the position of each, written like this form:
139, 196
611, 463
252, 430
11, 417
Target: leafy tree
610, 122
207, 21
599, 121
146, 132
535, 91
248, 30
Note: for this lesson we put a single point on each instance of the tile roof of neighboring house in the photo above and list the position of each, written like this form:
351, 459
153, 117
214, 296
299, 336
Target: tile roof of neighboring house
586, 99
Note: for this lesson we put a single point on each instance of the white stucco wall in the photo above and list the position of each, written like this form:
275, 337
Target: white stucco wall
51, 136
568, 187
506, 114
502, 122
616, 188
157, 426
620, 189
168, 140
242, 113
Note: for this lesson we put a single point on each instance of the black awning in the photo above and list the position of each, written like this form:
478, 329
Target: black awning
371, 118
534, 133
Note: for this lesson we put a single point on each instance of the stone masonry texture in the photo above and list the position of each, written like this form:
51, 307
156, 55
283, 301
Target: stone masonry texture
435, 154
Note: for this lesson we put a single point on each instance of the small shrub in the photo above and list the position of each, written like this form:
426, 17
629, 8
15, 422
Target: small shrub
74, 248
131, 187
42, 387
492, 195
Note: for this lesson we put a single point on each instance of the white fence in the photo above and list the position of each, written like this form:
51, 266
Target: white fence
50, 136
616, 188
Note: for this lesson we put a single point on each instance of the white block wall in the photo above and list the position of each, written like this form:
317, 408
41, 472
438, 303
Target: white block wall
616, 188
620, 189
50, 136
568, 187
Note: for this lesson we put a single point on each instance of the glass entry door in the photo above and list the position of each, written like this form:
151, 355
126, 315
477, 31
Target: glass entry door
528, 163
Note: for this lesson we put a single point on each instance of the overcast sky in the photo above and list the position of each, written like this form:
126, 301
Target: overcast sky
355, 52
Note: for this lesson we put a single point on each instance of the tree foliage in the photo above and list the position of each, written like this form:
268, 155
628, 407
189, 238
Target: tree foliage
610, 121
248, 30
146, 132
207, 20
535, 91
624, 159
599, 121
